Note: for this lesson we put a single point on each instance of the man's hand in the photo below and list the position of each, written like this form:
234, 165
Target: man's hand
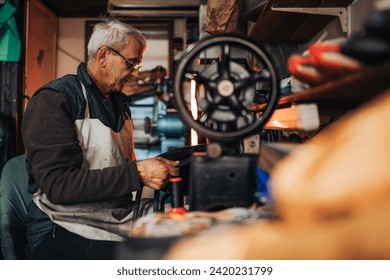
155, 172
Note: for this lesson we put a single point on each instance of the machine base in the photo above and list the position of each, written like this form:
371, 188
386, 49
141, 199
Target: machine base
220, 183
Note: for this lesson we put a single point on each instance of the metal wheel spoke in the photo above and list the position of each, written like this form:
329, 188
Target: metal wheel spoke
201, 80
240, 110
224, 64
263, 76
210, 109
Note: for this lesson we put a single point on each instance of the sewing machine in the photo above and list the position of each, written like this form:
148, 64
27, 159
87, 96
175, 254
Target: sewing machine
225, 88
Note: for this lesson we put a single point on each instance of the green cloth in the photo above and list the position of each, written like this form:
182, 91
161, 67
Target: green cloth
10, 44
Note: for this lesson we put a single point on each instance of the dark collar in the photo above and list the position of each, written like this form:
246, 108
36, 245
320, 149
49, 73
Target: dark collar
83, 75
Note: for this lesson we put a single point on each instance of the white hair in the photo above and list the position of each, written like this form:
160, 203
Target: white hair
114, 34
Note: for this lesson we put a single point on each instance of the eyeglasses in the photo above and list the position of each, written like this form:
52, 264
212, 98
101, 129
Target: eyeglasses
130, 64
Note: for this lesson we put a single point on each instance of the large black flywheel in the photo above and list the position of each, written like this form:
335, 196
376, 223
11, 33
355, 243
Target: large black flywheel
228, 78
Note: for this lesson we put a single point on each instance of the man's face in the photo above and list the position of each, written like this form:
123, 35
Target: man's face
121, 71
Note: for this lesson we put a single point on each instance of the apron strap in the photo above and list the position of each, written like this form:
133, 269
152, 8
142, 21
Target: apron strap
86, 112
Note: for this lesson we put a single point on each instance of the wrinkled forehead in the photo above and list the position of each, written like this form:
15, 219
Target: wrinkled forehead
136, 43
134, 48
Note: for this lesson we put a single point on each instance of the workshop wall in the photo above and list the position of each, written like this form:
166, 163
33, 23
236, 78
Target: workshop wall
71, 46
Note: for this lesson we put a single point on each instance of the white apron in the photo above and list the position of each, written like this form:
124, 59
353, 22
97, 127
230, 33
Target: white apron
102, 147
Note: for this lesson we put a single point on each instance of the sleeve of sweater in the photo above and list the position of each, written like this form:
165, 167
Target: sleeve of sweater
52, 148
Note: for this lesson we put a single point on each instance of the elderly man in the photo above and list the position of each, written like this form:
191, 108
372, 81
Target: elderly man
80, 152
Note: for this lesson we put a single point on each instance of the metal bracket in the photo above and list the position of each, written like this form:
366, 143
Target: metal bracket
343, 13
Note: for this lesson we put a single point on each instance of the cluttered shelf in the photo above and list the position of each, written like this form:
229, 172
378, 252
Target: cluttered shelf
347, 92
298, 22
337, 74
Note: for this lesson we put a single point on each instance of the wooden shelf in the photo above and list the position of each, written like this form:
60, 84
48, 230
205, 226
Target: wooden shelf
290, 27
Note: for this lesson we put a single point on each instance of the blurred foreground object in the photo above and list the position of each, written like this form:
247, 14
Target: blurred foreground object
331, 196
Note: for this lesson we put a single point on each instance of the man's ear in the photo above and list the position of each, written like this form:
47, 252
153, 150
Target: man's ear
102, 55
